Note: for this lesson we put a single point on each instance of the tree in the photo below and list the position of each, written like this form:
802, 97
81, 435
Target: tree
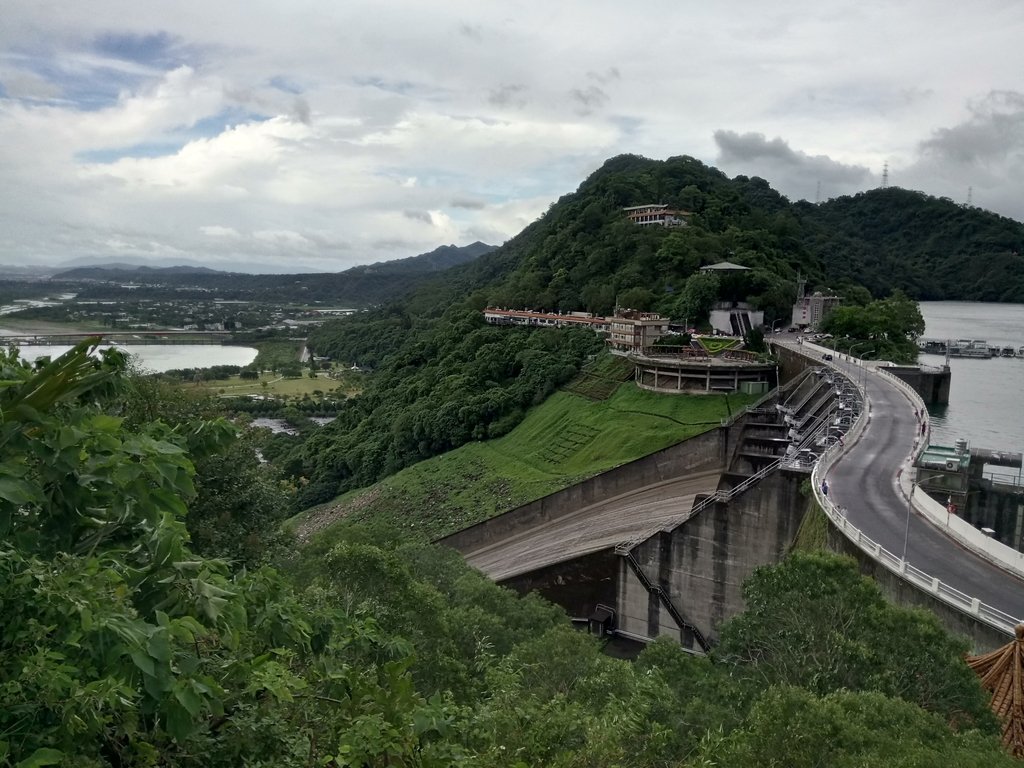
894, 324
121, 646
813, 621
697, 297
792, 728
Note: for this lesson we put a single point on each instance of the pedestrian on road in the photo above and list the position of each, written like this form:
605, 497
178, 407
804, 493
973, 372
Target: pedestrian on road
824, 487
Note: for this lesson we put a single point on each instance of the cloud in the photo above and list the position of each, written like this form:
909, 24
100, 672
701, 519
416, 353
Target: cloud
467, 204
795, 173
588, 98
300, 108
993, 133
472, 31
985, 153
218, 231
609, 75
145, 127
423, 216
507, 95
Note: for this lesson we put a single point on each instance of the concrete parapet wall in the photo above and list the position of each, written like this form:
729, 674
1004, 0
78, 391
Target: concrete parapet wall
982, 637
984, 546
932, 386
711, 450
703, 563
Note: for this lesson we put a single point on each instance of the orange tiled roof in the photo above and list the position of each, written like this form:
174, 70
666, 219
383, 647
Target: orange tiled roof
1002, 673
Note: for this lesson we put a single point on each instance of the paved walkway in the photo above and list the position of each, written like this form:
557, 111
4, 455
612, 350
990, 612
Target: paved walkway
866, 481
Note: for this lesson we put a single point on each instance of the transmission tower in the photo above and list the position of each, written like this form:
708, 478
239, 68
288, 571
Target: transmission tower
970, 196
885, 176
817, 194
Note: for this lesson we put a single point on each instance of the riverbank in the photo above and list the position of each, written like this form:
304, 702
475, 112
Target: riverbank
9, 324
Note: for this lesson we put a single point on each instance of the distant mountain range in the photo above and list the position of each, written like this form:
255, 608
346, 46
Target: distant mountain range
358, 286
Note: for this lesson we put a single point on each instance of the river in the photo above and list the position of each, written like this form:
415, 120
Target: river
982, 400
157, 358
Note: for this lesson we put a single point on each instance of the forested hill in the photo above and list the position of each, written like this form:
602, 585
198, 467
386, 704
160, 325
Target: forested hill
583, 254
359, 286
441, 378
929, 247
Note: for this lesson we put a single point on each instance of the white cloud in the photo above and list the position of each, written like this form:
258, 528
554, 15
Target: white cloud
214, 230
309, 136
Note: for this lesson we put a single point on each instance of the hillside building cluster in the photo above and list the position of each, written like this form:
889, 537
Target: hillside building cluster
656, 215
809, 311
627, 330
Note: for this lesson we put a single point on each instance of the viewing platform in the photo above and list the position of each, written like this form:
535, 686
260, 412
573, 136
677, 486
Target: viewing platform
690, 371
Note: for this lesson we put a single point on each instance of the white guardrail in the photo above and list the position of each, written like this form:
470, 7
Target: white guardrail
972, 606
990, 549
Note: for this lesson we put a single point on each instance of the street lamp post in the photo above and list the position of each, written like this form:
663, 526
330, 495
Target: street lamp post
906, 531
858, 344
864, 376
774, 324
910, 504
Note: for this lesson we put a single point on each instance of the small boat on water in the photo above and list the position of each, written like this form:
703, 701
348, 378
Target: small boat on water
977, 348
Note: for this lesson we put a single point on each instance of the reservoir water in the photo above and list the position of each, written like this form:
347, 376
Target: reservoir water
984, 399
158, 358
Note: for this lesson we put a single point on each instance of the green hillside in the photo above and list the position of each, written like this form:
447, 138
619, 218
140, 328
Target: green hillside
582, 254
442, 379
560, 442
929, 247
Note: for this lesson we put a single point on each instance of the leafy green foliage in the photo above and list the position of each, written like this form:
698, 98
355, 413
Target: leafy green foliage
561, 441
124, 647
885, 329
445, 385
793, 728
815, 622
121, 646
930, 248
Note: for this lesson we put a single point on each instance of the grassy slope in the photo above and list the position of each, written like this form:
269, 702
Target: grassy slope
561, 441
279, 386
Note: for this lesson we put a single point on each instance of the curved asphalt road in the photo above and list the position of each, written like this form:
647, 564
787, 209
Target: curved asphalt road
864, 482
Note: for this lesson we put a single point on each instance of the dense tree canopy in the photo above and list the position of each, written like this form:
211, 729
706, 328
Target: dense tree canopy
885, 329
122, 646
441, 385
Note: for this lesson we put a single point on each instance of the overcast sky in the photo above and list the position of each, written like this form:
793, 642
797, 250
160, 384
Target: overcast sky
329, 133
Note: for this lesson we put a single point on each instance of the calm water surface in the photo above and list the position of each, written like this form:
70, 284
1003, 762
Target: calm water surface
984, 400
165, 357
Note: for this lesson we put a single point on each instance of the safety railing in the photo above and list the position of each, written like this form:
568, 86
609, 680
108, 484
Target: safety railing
945, 593
919, 406
796, 408
623, 548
